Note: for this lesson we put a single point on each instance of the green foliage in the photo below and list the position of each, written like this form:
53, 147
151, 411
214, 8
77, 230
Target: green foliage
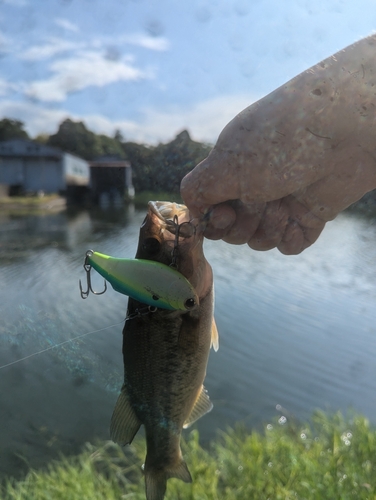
162, 168
159, 168
42, 138
174, 160
110, 147
12, 129
141, 159
118, 135
75, 138
331, 458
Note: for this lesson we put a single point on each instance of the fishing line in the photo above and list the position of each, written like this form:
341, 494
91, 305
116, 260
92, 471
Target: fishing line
59, 344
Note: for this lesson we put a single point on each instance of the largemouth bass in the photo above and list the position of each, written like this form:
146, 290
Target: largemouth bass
166, 352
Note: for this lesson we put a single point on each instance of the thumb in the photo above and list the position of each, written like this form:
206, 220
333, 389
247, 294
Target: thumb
211, 182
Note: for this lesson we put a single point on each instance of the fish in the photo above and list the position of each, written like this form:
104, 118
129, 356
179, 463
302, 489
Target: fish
166, 352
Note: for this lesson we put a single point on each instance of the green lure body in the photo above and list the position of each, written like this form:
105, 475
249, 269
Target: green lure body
147, 281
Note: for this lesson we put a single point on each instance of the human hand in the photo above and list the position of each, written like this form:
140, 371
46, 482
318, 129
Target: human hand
292, 161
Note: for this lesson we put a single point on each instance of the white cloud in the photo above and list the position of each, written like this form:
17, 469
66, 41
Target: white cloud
66, 24
204, 120
7, 87
148, 42
79, 72
36, 119
53, 47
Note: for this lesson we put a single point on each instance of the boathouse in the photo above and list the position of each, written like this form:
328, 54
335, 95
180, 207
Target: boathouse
111, 181
29, 167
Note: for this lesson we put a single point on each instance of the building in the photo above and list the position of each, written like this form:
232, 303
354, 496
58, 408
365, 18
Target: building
29, 167
111, 181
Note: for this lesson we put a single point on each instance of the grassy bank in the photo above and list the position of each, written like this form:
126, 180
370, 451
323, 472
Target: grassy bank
23, 205
332, 458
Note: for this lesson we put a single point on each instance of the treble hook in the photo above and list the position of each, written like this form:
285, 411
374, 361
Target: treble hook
188, 229
87, 267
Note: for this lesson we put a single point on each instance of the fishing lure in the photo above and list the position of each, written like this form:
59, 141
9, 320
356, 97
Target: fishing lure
147, 281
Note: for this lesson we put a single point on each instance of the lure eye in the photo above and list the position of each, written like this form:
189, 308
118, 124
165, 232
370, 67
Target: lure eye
189, 303
151, 246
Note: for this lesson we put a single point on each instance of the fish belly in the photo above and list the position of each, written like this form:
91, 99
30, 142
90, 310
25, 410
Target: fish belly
165, 359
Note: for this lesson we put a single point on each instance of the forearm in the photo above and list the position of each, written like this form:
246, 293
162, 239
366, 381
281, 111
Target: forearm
294, 159
320, 122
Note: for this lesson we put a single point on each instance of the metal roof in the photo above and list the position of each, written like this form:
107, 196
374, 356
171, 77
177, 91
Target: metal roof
110, 163
25, 148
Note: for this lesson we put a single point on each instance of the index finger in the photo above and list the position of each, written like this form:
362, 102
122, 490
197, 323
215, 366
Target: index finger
211, 182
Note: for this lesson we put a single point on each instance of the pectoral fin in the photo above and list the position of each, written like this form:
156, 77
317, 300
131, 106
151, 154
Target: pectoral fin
214, 337
202, 405
124, 422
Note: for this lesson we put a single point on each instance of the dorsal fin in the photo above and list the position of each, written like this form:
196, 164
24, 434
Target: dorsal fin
202, 405
124, 422
214, 337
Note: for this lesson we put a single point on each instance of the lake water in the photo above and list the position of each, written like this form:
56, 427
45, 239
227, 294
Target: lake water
296, 331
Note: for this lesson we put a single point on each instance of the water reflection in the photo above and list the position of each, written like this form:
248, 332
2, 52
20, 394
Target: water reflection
294, 331
19, 233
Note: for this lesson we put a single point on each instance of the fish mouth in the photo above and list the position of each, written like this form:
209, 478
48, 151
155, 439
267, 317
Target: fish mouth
176, 217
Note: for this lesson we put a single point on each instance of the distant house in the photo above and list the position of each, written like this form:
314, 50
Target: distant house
111, 180
26, 166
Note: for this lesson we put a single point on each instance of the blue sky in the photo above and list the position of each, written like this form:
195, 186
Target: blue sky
153, 68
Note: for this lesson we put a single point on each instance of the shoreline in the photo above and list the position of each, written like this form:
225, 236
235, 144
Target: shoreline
30, 204
23, 205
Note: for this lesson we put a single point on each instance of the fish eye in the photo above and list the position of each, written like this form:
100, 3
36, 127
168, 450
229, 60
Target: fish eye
151, 246
189, 303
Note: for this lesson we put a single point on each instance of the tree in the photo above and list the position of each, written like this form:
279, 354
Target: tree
172, 161
42, 138
12, 129
118, 136
141, 159
110, 146
162, 168
77, 139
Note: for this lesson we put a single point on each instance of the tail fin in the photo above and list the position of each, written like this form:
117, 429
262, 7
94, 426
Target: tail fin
155, 485
156, 481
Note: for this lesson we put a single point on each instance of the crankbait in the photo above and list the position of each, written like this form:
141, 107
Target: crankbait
147, 281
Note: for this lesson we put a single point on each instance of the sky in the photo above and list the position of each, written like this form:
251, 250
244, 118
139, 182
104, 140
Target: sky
153, 68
